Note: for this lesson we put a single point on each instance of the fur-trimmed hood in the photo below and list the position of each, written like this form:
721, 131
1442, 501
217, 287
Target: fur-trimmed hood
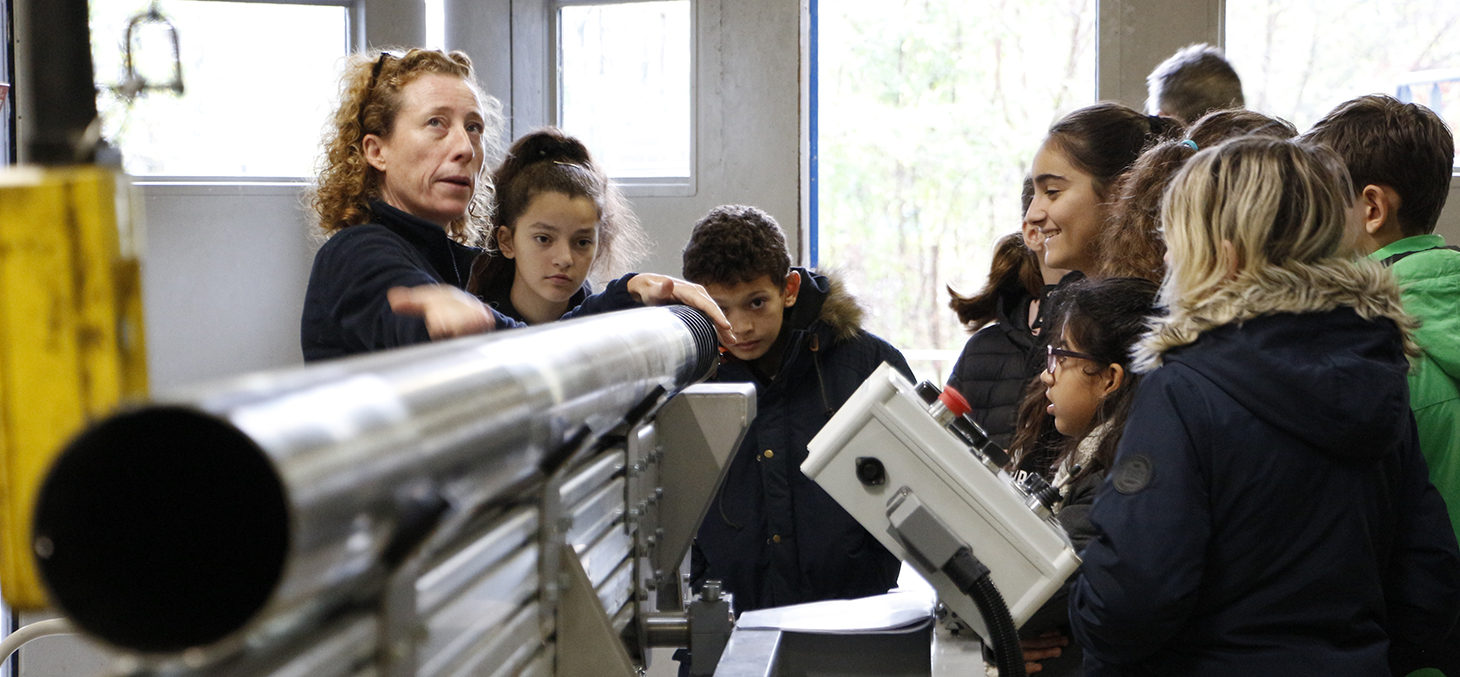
1317, 352
1361, 285
823, 297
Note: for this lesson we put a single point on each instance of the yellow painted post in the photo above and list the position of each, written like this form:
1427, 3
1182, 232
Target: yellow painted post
71, 336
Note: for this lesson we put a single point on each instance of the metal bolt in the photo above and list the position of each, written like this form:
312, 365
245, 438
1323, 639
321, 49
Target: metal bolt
711, 591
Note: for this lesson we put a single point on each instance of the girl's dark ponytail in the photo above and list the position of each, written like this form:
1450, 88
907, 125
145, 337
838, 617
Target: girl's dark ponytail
548, 161
1104, 139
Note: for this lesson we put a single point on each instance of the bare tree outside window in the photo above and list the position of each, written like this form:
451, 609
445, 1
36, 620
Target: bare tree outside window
1298, 59
930, 113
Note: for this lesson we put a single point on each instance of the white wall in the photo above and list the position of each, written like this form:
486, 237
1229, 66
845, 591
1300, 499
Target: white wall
1449, 224
1136, 35
747, 128
223, 279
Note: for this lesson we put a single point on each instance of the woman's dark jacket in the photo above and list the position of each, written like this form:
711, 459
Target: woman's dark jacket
1269, 512
345, 306
1001, 359
773, 536
1074, 518
993, 369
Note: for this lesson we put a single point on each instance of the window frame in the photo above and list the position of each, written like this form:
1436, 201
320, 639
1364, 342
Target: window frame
668, 186
355, 39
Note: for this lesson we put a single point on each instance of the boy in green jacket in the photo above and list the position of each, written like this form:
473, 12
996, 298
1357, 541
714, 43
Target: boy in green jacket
1401, 157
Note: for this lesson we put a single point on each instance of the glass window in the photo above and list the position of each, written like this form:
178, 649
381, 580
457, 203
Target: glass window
624, 85
249, 107
1298, 59
929, 116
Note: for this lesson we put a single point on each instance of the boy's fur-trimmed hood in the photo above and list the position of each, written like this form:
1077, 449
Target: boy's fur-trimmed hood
824, 297
1361, 285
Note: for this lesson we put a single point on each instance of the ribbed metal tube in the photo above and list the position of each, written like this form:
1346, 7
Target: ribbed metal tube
189, 521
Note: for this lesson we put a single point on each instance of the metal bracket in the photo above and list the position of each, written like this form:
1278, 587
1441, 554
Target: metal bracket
699, 429
587, 643
711, 621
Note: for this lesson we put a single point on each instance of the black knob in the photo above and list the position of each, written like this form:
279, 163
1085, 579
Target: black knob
928, 392
870, 471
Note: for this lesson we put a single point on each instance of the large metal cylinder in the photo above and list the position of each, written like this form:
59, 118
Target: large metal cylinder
197, 518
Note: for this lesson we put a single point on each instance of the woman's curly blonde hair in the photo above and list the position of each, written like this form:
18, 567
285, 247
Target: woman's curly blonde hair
370, 100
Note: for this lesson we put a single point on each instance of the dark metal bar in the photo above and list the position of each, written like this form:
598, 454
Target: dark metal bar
62, 82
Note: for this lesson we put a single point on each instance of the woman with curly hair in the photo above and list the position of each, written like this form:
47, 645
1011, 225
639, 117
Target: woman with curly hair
402, 197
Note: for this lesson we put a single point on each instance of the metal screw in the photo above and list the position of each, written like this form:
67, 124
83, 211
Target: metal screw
711, 591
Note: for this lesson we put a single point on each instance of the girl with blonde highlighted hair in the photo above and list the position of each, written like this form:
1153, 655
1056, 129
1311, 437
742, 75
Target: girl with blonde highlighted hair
1268, 510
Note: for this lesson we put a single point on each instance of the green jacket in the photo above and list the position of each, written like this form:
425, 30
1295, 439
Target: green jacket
1430, 285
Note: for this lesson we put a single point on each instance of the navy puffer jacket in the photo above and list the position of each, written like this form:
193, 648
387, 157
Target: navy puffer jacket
994, 367
773, 536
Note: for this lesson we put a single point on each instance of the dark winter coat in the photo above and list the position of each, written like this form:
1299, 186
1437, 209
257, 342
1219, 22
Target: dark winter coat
993, 369
345, 306
1073, 515
773, 536
1269, 512
495, 290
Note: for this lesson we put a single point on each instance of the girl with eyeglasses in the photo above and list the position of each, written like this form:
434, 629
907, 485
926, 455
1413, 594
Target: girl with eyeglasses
1088, 389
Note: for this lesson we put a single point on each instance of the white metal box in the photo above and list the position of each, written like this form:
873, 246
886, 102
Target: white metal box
1029, 556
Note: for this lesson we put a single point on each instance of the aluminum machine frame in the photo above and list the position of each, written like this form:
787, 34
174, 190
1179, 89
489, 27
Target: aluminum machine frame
518, 503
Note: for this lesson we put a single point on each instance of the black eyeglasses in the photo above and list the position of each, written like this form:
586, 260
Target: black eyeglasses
1056, 353
375, 76
379, 63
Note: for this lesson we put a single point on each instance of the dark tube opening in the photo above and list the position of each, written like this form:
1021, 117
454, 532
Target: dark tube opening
161, 529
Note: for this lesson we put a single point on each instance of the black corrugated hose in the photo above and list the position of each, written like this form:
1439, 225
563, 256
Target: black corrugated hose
972, 579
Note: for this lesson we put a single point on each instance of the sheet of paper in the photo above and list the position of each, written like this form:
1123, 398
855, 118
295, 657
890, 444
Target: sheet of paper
906, 608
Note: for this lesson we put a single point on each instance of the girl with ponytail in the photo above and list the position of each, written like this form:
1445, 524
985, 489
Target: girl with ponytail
559, 221
1131, 245
1074, 171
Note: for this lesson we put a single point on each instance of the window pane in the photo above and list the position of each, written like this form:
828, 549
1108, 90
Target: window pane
625, 85
250, 108
930, 113
1300, 58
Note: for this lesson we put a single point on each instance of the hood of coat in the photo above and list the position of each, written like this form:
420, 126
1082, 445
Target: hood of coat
1363, 286
1013, 313
823, 298
1332, 379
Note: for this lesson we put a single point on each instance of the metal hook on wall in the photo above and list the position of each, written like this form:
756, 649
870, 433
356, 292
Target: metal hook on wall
134, 83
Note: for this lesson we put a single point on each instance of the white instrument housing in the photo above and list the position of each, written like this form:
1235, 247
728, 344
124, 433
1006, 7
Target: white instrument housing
1030, 556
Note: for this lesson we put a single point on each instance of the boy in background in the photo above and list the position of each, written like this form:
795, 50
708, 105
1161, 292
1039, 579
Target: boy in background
1401, 156
773, 536
1195, 80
